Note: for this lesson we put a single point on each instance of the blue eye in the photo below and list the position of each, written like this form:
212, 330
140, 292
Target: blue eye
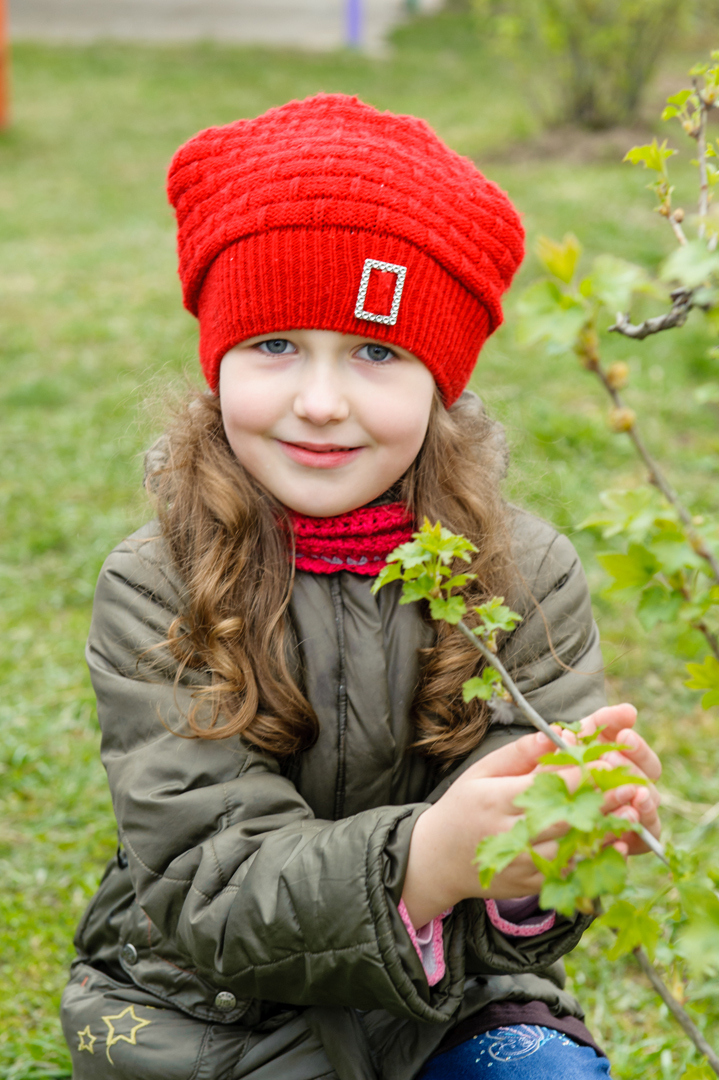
376, 353
276, 346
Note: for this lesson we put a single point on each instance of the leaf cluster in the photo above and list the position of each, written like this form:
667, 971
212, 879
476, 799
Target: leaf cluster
661, 570
586, 865
425, 566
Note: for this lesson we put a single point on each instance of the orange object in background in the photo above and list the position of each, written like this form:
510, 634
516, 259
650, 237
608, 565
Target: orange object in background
4, 67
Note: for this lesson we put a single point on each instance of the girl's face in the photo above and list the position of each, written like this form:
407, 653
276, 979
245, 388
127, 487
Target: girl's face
325, 421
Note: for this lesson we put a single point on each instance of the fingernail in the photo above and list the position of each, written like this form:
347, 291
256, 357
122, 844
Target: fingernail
625, 793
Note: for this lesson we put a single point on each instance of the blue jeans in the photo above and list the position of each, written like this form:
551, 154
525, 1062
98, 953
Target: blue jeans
520, 1052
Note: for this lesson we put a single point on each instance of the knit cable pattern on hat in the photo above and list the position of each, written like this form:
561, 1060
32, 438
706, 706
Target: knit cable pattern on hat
359, 540
337, 168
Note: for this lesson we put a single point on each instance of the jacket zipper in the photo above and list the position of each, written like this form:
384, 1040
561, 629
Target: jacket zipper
336, 592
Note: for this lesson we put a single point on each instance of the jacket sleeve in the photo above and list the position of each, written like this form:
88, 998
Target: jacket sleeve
254, 893
555, 659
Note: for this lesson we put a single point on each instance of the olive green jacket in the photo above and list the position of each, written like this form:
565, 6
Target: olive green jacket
249, 925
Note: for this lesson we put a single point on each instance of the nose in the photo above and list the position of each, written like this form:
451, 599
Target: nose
321, 398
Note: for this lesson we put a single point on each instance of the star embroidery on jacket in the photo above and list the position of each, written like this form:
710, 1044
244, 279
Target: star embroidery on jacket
85, 1034
116, 1036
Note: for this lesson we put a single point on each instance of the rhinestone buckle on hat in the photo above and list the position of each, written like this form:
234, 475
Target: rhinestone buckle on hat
391, 268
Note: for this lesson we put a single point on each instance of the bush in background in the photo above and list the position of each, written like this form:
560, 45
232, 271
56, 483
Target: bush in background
601, 53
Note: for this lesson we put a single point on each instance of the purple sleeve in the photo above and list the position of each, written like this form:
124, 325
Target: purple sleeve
520, 918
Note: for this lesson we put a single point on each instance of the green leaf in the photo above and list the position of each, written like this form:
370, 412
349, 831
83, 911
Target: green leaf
559, 258
658, 604
597, 750
573, 755
451, 610
652, 156
604, 874
458, 581
634, 928
391, 572
545, 803
585, 809
631, 571
705, 676
613, 281
494, 616
679, 99
548, 316
495, 853
606, 779
561, 894
484, 686
417, 589
691, 264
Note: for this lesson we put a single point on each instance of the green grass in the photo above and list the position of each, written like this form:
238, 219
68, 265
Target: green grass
92, 325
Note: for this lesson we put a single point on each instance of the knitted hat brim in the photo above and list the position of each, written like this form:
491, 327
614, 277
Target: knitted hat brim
293, 279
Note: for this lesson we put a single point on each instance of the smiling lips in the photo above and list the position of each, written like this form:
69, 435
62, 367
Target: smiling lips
320, 455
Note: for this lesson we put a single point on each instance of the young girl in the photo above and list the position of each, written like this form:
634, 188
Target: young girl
298, 784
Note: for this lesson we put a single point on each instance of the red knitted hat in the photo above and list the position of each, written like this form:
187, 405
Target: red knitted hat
327, 214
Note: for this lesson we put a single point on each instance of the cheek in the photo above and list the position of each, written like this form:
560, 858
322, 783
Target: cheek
247, 409
399, 421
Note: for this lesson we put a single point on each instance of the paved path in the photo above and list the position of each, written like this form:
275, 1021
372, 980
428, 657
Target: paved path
313, 24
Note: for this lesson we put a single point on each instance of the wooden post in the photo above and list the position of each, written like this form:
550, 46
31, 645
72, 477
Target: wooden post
4, 66
353, 17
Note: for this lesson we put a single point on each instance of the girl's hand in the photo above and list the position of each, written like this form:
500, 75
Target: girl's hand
617, 723
440, 870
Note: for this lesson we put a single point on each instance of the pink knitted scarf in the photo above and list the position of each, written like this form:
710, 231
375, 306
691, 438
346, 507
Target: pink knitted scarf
359, 540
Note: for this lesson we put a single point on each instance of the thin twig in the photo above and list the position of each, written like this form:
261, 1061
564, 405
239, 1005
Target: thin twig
710, 816
677, 229
677, 316
539, 722
680, 1015
701, 626
660, 481
711, 638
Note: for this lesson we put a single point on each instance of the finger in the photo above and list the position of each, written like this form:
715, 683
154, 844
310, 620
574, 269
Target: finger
515, 759
613, 718
640, 753
648, 809
619, 797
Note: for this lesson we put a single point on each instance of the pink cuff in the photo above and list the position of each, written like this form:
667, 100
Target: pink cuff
429, 943
527, 928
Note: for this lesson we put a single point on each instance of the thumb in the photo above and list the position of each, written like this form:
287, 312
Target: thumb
515, 759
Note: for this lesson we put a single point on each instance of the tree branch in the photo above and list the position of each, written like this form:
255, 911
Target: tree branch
657, 478
680, 1015
538, 721
674, 221
683, 302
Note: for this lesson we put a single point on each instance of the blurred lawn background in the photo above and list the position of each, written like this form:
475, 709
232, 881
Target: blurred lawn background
92, 326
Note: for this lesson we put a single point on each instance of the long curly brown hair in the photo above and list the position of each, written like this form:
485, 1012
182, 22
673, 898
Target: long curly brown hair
226, 537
